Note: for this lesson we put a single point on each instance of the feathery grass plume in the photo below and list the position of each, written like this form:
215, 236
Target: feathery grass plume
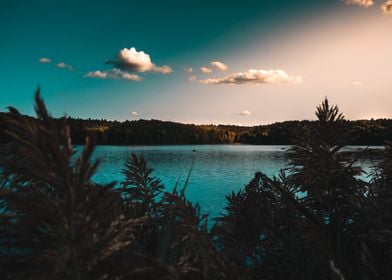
141, 193
55, 223
140, 189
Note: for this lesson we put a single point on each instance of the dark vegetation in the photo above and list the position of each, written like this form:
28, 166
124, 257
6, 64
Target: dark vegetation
155, 132
317, 220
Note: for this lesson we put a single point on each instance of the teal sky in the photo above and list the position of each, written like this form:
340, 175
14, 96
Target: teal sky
282, 57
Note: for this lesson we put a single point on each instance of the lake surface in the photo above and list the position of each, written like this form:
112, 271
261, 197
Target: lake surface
217, 170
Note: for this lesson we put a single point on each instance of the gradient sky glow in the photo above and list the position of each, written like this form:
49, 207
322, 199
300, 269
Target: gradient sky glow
197, 61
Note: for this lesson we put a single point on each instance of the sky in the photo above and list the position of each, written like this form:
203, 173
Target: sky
242, 62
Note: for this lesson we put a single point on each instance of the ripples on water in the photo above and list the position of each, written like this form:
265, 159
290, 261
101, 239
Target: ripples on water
217, 171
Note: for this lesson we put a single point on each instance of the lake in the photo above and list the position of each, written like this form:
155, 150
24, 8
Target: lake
217, 170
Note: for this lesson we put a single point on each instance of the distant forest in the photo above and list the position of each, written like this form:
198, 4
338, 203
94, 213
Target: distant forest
155, 132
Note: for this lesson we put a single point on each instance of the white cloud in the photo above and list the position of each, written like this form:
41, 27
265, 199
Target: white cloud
245, 113
64, 66
219, 65
97, 74
162, 69
113, 74
255, 77
134, 61
130, 77
188, 70
387, 7
44, 60
192, 78
135, 114
205, 70
117, 73
362, 3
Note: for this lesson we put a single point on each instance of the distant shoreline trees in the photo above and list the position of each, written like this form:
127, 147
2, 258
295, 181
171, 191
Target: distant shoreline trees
155, 132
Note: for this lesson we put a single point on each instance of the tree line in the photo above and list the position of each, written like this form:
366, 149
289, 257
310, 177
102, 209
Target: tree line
317, 220
156, 132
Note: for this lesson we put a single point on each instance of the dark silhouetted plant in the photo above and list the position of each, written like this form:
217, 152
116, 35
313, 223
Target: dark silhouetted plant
308, 224
333, 194
55, 223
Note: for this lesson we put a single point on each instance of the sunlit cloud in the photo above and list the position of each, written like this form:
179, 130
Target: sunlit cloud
135, 114
205, 70
192, 78
219, 65
387, 7
96, 74
127, 63
362, 3
253, 76
44, 60
113, 74
137, 61
245, 113
126, 76
188, 70
63, 65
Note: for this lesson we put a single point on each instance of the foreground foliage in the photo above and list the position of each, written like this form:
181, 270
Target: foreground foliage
316, 220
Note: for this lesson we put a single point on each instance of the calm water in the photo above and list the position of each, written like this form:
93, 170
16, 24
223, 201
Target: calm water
217, 171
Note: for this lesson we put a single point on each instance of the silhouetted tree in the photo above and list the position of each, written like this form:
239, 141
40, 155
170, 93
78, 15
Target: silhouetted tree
332, 193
